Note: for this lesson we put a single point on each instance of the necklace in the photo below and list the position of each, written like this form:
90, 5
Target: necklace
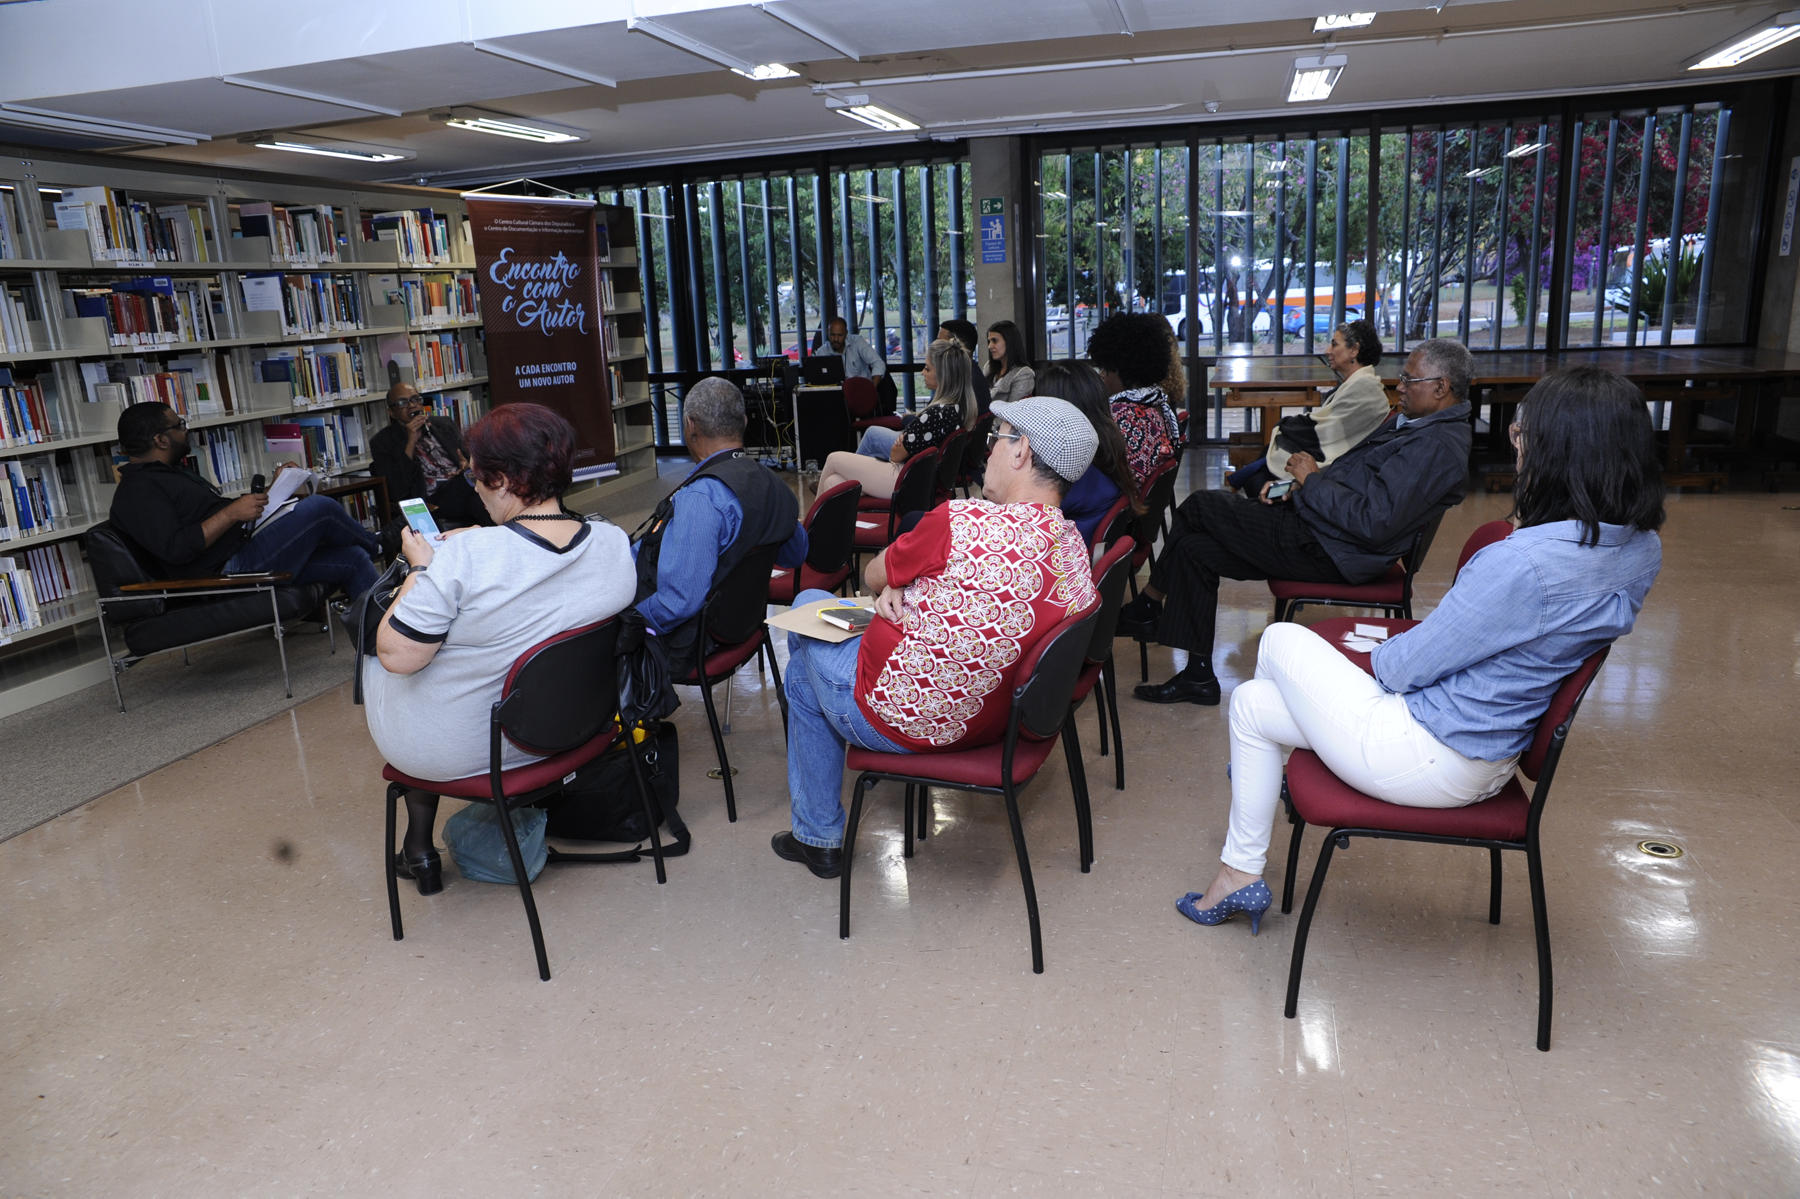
549, 516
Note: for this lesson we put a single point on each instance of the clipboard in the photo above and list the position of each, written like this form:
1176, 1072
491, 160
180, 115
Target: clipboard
805, 621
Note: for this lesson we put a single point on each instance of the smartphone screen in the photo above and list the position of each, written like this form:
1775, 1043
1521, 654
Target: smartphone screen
1275, 492
419, 517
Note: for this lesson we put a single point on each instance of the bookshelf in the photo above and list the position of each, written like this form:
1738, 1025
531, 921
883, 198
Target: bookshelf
271, 311
622, 332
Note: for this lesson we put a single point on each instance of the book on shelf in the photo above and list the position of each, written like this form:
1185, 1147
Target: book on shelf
437, 300
316, 375
188, 385
130, 232
32, 498
439, 358
57, 571
12, 245
303, 235
421, 236
319, 443
18, 308
309, 304
459, 405
190, 231
147, 311
609, 329
219, 454
18, 599
25, 416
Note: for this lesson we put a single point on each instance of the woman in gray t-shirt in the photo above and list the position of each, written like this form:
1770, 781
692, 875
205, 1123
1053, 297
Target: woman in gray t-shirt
476, 600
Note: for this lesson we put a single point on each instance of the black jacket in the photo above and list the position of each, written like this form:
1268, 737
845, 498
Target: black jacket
160, 508
1365, 507
389, 459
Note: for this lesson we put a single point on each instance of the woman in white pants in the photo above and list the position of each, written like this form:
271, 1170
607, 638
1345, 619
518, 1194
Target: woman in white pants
1452, 702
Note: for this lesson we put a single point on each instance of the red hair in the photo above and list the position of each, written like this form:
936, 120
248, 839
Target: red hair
533, 447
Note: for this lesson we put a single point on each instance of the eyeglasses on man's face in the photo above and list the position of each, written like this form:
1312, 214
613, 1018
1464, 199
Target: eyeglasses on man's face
179, 424
995, 436
1407, 380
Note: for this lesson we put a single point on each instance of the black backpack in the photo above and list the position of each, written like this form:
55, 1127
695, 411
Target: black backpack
601, 802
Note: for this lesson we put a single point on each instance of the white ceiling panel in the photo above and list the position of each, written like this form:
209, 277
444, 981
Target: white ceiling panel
207, 106
418, 79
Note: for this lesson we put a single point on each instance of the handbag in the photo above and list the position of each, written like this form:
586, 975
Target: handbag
363, 618
646, 685
1298, 434
601, 802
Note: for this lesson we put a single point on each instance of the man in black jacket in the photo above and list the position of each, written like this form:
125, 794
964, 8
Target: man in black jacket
1345, 523
421, 456
186, 529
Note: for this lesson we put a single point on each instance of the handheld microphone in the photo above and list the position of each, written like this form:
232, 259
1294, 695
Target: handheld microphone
258, 484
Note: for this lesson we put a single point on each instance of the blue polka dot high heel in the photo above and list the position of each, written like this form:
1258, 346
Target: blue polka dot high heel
1253, 901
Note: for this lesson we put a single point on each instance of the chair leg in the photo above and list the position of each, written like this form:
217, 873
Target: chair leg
394, 792
848, 855
780, 691
1144, 660
926, 812
643, 787
906, 822
280, 643
1031, 904
1306, 915
726, 725
1100, 715
518, 865
1540, 919
1293, 866
1084, 818
1109, 679
712, 723
112, 666
1494, 886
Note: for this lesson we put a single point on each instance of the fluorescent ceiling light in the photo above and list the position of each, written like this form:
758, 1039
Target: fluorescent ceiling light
768, 70
858, 108
1313, 78
513, 129
1784, 29
370, 154
1343, 20
1527, 149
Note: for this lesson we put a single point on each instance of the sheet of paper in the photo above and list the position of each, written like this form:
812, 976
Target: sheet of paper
1374, 632
281, 494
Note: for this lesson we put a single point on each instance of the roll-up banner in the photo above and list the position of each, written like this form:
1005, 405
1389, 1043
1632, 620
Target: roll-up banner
540, 307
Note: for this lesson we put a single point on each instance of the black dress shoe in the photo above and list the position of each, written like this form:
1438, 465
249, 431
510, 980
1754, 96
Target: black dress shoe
1184, 688
1139, 618
826, 863
427, 870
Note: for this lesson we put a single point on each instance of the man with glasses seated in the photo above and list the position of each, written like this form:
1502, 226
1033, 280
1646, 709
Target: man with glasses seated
1343, 523
961, 600
187, 529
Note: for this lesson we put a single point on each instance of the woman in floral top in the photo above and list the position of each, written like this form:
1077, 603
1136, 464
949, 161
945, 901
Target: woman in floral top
1131, 352
947, 373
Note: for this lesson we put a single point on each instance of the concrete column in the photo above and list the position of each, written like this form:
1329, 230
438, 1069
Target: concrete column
1001, 292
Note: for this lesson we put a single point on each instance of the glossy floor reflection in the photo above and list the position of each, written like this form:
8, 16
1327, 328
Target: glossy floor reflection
201, 996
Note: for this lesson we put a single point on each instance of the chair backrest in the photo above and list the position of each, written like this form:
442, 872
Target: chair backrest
859, 397
1159, 493
116, 563
562, 692
1114, 523
831, 527
950, 460
1046, 678
1481, 538
735, 607
1553, 725
913, 487
1110, 574
975, 450
1414, 557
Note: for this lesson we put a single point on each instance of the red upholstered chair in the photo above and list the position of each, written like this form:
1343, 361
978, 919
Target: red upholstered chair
560, 699
861, 402
731, 622
876, 527
1392, 592
1112, 525
974, 458
1159, 500
830, 526
949, 468
1040, 709
1339, 629
1510, 820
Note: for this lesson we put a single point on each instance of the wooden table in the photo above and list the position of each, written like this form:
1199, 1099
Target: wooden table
1681, 376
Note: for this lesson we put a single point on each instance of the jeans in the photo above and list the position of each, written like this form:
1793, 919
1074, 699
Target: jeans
822, 719
318, 542
877, 442
1306, 695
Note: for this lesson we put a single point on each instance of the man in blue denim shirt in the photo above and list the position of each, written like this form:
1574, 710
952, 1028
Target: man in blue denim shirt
860, 359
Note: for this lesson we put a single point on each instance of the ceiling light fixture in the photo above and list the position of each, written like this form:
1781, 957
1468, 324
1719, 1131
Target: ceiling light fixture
32, 117
1313, 78
500, 126
767, 71
1343, 20
858, 108
269, 141
1784, 29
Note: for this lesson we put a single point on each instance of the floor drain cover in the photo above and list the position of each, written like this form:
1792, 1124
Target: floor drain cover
714, 774
1661, 849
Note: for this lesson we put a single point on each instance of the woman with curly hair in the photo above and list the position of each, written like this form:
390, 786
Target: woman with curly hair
1132, 352
1110, 475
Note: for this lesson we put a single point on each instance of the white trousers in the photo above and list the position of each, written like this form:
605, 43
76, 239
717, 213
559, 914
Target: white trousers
1307, 695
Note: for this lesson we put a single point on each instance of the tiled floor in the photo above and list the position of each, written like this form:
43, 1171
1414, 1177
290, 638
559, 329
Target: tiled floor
201, 996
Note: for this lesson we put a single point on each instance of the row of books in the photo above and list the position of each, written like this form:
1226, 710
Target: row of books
188, 384
459, 406
18, 308
433, 301
439, 358
12, 245
308, 303
132, 232
222, 457
24, 416
320, 374
36, 579
150, 310
326, 442
423, 236
303, 235
32, 499
609, 334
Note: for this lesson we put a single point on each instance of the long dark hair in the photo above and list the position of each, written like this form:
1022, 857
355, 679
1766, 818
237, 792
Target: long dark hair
1588, 453
1077, 383
1015, 348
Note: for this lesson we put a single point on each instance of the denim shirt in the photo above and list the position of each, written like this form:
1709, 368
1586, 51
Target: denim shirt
1480, 670
860, 359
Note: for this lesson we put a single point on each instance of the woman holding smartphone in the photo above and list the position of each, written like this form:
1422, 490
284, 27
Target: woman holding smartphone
1453, 701
475, 600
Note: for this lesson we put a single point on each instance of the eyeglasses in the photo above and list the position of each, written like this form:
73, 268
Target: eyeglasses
996, 435
179, 424
1407, 380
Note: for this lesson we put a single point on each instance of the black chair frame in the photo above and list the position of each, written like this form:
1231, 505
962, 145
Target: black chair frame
562, 695
1410, 562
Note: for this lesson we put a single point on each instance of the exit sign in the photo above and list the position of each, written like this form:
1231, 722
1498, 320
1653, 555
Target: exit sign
992, 206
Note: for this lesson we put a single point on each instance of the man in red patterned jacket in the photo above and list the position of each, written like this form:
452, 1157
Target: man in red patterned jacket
961, 600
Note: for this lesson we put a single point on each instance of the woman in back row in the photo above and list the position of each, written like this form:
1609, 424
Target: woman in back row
948, 370
1453, 701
